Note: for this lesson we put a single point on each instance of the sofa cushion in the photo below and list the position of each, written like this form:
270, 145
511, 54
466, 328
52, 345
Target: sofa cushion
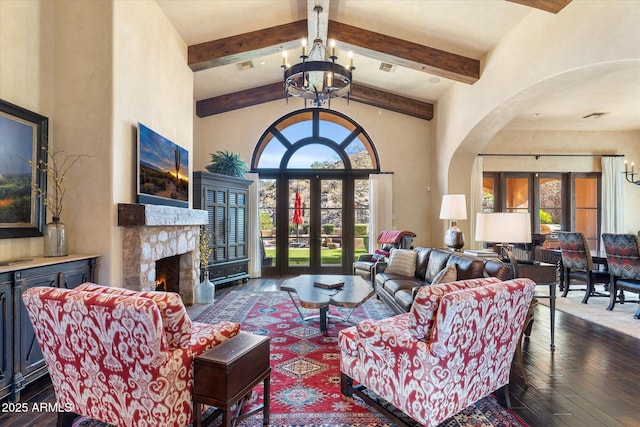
468, 267
437, 262
422, 259
447, 275
404, 298
394, 285
402, 261
425, 304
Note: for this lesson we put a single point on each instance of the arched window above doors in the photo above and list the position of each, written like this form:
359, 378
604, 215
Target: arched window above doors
315, 139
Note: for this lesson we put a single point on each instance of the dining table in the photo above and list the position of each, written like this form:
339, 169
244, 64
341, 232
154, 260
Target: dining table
554, 256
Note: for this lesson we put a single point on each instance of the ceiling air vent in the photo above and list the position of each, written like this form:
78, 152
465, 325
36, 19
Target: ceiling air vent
246, 65
386, 67
594, 115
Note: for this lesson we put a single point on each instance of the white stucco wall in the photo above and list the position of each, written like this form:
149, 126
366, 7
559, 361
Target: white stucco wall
95, 68
152, 85
25, 80
528, 64
402, 143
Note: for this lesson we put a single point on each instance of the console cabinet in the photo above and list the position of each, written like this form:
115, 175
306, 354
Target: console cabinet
21, 360
225, 198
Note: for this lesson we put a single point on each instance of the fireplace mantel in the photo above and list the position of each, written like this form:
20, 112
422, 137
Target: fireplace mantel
136, 214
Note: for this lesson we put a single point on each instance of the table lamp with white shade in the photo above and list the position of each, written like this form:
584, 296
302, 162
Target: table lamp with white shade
454, 208
505, 228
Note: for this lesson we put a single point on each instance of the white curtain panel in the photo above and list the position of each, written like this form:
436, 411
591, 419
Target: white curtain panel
255, 253
380, 206
476, 198
612, 194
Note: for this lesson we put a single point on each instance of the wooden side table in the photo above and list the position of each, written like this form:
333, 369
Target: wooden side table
224, 375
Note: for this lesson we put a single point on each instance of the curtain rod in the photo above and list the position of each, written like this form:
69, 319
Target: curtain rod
537, 156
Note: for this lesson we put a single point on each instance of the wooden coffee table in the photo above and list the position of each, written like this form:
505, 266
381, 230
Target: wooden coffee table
354, 292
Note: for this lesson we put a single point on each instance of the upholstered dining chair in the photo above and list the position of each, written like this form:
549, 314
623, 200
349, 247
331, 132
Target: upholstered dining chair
623, 258
578, 264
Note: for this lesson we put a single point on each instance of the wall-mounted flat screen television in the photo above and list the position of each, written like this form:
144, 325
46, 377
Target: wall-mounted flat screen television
163, 170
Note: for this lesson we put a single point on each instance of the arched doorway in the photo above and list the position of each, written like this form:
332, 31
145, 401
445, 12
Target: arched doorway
314, 166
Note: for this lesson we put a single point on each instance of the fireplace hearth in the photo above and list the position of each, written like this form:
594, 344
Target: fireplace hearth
160, 244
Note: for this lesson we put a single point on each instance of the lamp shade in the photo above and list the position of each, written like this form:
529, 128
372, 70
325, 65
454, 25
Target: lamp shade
503, 227
454, 206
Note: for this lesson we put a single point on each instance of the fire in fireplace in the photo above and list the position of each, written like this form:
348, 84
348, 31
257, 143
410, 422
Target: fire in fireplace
168, 274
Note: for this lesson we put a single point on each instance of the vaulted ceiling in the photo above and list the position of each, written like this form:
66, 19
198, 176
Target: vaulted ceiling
407, 53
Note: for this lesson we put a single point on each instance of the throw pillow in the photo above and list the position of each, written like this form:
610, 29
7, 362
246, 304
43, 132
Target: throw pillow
447, 275
403, 262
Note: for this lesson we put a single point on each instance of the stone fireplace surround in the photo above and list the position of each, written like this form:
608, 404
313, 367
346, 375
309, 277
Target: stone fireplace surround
154, 232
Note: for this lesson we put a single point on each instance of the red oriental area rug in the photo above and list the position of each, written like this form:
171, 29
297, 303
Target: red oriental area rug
305, 380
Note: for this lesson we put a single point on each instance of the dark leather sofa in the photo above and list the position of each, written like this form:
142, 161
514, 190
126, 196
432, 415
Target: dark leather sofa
398, 291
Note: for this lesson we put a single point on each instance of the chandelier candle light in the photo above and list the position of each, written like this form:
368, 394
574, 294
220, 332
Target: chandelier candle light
630, 176
315, 78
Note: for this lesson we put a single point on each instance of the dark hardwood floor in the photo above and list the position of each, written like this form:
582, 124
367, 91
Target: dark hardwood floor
591, 379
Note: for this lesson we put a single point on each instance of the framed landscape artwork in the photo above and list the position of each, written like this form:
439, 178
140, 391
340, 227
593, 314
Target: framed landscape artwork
23, 143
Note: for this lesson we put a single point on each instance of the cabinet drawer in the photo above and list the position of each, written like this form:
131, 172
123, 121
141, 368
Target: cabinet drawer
217, 272
240, 268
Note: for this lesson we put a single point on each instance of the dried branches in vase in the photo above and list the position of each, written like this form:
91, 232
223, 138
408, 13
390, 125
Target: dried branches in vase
205, 290
56, 168
205, 249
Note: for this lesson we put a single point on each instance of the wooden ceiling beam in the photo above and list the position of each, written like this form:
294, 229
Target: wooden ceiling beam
274, 91
389, 101
553, 6
241, 99
247, 46
404, 53
244, 47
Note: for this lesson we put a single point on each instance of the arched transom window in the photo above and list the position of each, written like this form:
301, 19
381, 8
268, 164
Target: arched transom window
315, 139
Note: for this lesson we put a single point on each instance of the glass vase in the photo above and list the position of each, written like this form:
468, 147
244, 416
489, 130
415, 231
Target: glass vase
205, 292
55, 238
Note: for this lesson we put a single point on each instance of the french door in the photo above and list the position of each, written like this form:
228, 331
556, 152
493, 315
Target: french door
315, 235
314, 224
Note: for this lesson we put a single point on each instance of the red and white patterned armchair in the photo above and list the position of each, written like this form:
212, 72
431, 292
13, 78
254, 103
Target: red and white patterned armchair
452, 349
120, 356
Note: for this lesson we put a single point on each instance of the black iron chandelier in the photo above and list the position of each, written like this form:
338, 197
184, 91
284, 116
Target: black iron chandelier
316, 79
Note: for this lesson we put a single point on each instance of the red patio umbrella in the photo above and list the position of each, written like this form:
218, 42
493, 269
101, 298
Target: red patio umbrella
297, 214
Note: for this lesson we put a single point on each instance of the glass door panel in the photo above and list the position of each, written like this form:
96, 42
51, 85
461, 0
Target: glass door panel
298, 211
586, 212
488, 194
550, 194
517, 195
361, 211
331, 196
267, 212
